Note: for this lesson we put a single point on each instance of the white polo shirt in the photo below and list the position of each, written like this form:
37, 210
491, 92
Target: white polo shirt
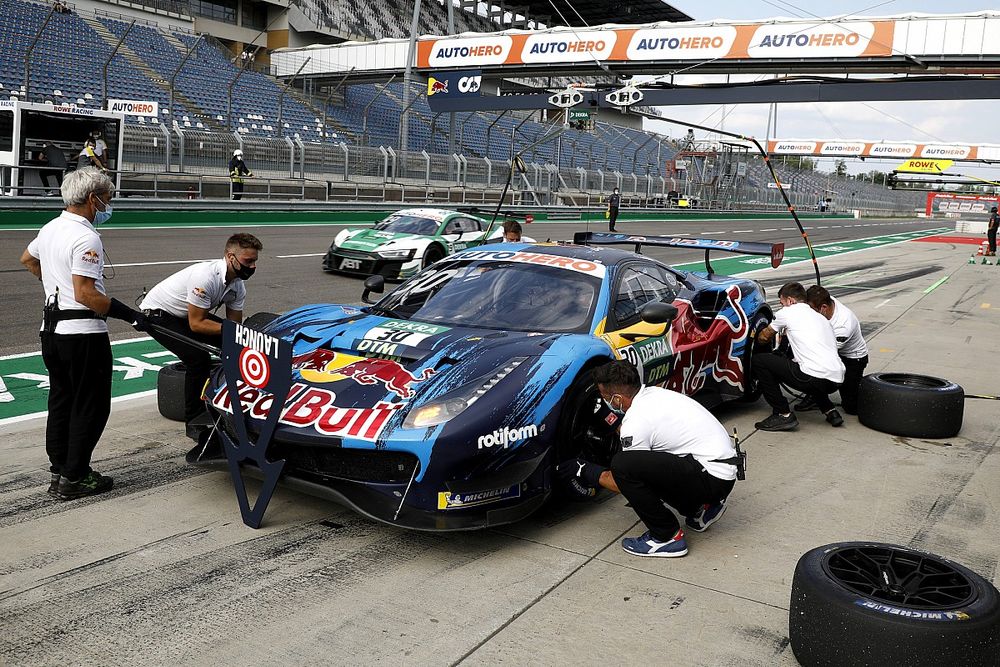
847, 330
813, 343
661, 420
67, 246
202, 285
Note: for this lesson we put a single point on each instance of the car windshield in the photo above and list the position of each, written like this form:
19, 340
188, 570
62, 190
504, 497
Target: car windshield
507, 295
408, 224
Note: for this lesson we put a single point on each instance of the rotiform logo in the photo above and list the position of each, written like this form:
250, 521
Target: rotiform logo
505, 436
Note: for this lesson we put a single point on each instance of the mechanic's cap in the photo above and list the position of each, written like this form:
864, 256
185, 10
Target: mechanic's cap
237, 153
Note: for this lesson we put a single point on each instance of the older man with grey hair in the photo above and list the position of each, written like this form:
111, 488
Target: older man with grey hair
68, 257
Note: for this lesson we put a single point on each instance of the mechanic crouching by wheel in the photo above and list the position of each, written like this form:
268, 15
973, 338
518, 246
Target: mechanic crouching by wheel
183, 303
816, 367
674, 453
68, 257
851, 345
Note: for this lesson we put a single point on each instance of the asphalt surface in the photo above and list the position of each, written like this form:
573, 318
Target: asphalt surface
289, 273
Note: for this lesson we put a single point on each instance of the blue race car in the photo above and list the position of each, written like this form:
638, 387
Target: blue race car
450, 403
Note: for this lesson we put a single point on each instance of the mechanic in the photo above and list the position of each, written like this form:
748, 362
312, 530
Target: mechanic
512, 231
68, 257
816, 367
851, 346
675, 454
183, 303
237, 170
991, 231
614, 201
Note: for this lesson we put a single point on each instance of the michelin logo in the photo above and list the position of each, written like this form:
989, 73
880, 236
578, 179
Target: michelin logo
913, 613
506, 436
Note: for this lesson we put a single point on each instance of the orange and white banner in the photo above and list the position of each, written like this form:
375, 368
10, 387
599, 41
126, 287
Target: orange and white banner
886, 149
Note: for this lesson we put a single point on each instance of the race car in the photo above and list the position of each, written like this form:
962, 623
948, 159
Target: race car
452, 401
406, 241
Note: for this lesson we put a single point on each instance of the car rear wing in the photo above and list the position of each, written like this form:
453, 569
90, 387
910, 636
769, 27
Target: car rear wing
776, 251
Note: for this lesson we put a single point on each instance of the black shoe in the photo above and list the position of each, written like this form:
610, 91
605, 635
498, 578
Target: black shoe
806, 404
53, 489
779, 423
92, 484
834, 418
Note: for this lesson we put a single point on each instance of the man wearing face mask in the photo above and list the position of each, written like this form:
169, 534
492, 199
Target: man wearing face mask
68, 257
675, 454
614, 201
183, 303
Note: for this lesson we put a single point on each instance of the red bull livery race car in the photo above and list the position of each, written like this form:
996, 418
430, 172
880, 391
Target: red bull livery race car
450, 403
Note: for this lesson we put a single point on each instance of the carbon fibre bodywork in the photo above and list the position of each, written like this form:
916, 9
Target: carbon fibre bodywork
365, 420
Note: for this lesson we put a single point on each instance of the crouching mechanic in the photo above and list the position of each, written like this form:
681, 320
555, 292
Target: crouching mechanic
815, 369
674, 451
851, 345
183, 303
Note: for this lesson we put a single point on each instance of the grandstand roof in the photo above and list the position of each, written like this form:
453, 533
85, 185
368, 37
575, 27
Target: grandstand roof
597, 12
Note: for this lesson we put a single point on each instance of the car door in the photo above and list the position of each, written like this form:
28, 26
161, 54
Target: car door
460, 232
646, 345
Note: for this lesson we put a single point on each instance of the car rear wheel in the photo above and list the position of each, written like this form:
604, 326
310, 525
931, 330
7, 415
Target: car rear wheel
751, 388
259, 320
432, 254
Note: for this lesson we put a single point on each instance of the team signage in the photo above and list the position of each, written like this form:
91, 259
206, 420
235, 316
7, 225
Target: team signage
444, 86
925, 166
134, 107
849, 38
251, 358
913, 151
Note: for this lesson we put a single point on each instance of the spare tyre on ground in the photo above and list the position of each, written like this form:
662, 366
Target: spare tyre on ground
170, 391
866, 603
909, 405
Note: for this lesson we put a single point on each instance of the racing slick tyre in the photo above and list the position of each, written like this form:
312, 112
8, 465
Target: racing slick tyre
865, 603
433, 253
259, 320
585, 431
751, 388
170, 391
915, 406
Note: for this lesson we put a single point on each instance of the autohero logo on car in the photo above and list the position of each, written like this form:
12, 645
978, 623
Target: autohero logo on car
921, 614
506, 436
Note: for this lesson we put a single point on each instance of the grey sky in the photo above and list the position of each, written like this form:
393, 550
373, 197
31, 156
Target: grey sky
949, 121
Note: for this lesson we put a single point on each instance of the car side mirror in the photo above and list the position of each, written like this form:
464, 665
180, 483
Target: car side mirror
374, 284
657, 312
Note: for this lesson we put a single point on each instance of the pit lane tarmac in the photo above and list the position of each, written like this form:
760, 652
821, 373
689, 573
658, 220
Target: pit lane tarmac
161, 570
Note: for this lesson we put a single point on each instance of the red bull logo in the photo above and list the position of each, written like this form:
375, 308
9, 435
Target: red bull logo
390, 374
710, 350
435, 86
91, 256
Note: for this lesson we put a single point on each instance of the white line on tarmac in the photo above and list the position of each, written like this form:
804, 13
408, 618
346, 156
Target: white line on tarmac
772, 229
884, 302
308, 254
742, 231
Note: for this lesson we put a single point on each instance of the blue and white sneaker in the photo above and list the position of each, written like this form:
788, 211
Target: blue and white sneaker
706, 516
644, 545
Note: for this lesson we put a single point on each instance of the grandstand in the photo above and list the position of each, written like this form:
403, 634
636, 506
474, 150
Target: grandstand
212, 99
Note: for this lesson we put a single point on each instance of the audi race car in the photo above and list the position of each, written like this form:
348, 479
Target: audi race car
406, 241
451, 402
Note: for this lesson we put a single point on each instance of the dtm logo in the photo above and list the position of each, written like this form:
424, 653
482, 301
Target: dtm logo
434, 86
470, 84
504, 437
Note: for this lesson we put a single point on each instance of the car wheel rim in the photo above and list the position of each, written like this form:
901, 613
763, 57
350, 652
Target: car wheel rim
916, 381
896, 576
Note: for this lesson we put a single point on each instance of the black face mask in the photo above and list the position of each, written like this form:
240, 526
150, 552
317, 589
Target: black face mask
243, 272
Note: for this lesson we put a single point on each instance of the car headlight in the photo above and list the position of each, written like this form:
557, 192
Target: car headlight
401, 253
455, 402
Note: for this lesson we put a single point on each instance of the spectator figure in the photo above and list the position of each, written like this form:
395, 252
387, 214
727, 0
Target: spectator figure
237, 170
512, 231
688, 144
100, 146
991, 231
614, 201
89, 158
56, 163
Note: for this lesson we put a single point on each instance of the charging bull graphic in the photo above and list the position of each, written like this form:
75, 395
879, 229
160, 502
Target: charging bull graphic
698, 350
435, 86
328, 366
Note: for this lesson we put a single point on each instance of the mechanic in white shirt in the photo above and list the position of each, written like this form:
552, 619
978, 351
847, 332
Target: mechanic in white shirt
850, 343
68, 257
815, 368
183, 303
675, 454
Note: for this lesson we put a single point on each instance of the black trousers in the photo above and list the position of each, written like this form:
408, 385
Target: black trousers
612, 216
991, 235
237, 191
79, 368
197, 363
855, 370
773, 370
650, 479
